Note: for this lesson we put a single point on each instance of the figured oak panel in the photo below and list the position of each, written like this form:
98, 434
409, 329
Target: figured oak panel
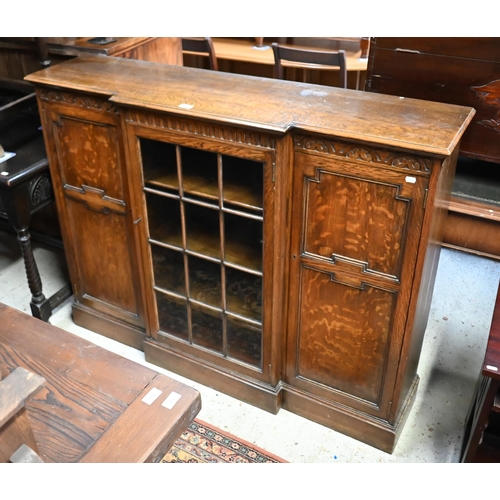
90, 155
90, 184
361, 219
344, 333
353, 260
107, 277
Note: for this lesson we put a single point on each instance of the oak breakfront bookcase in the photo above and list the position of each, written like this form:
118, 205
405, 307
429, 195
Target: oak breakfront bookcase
274, 240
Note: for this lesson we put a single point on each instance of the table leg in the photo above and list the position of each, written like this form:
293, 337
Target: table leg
16, 203
40, 305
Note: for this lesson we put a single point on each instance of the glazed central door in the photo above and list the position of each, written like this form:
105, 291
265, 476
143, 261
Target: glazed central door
207, 236
353, 255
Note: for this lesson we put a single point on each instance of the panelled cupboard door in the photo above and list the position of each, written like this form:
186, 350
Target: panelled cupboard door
86, 166
354, 249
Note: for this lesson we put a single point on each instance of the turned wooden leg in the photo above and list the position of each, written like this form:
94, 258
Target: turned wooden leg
40, 305
16, 202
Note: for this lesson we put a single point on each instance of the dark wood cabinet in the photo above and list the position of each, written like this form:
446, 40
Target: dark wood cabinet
463, 71
277, 241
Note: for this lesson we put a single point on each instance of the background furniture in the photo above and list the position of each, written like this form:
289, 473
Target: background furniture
203, 46
308, 59
189, 180
95, 406
242, 56
461, 71
19, 55
25, 186
481, 441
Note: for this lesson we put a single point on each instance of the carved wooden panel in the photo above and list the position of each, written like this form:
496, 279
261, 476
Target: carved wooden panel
103, 256
356, 215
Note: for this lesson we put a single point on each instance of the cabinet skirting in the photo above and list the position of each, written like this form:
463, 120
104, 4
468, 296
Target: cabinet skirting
358, 425
249, 390
97, 321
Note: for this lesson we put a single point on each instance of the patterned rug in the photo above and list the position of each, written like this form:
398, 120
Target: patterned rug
204, 443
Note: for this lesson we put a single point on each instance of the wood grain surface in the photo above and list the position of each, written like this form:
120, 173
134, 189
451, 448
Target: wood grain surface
265, 103
90, 394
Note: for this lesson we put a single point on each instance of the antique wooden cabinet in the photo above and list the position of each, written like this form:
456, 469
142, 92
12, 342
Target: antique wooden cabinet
277, 241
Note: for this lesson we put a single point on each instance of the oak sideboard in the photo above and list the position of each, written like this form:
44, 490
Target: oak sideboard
274, 240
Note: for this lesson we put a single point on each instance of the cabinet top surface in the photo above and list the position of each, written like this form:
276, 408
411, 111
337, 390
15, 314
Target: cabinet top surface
265, 103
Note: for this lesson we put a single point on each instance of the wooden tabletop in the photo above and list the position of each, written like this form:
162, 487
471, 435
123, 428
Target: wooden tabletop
265, 103
96, 406
247, 51
491, 365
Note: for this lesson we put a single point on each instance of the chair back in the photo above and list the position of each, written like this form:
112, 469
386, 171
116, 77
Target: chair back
202, 46
309, 59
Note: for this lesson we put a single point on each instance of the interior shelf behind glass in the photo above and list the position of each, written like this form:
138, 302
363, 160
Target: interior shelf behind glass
208, 300
164, 217
159, 164
199, 173
242, 182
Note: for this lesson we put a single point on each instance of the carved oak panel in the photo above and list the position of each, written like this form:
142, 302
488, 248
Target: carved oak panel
356, 215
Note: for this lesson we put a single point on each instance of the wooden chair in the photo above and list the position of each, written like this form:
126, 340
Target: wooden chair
309, 59
201, 46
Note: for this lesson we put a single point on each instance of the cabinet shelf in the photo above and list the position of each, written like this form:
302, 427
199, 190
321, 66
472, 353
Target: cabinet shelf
209, 327
243, 291
242, 179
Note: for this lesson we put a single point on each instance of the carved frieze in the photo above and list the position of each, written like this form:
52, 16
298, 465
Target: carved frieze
40, 190
82, 101
489, 94
202, 129
364, 154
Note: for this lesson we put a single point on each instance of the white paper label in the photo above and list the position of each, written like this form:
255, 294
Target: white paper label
7, 156
151, 396
410, 179
492, 368
172, 399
